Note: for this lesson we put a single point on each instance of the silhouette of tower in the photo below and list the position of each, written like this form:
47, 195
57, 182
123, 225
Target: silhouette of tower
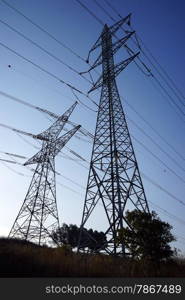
38, 216
114, 179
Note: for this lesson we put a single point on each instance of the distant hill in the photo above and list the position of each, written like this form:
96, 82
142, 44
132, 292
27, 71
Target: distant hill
24, 259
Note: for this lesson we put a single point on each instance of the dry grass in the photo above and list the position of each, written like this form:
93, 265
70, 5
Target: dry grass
22, 259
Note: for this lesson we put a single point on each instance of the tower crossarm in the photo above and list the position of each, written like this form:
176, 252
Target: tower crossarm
113, 30
117, 69
115, 27
54, 130
115, 47
118, 44
122, 65
52, 148
37, 158
62, 141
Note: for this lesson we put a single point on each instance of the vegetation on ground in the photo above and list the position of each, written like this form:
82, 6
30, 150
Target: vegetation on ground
91, 240
24, 259
146, 236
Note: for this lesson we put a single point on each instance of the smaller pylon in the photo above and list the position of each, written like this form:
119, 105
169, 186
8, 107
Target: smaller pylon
38, 216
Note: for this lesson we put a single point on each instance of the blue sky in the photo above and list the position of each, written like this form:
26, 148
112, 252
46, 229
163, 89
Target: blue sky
160, 25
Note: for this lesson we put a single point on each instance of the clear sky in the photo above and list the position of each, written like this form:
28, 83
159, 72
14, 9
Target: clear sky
160, 25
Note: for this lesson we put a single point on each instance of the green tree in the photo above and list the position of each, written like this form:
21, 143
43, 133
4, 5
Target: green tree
147, 236
69, 235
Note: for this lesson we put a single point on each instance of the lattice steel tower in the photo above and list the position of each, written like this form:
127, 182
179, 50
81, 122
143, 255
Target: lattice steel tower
114, 179
38, 216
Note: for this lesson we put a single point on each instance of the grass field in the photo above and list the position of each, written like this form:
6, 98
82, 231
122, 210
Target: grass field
24, 259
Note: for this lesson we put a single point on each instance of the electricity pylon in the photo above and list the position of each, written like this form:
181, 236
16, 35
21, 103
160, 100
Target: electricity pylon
114, 179
38, 216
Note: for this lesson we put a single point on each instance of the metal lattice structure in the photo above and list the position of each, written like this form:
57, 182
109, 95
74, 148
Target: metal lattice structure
38, 216
114, 179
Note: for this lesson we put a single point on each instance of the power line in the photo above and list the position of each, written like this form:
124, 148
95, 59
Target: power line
180, 100
73, 51
42, 110
131, 52
157, 158
169, 214
45, 31
48, 73
82, 187
32, 106
146, 47
91, 13
163, 70
13, 154
14, 161
42, 29
11, 169
62, 44
39, 137
154, 130
144, 176
43, 49
156, 144
162, 188
64, 154
76, 192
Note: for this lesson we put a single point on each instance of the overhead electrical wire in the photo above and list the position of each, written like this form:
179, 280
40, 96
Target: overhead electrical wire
156, 144
10, 168
50, 74
154, 155
153, 182
14, 161
62, 154
45, 31
43, 49
13, 154
48, 112
40, 109
128, 49
5, 1
22, 174
177, 219
154, 130
90, 12
143, 174
171, 100
68, 85
42, 29
181, 221
153, 65
158, 159
23, 132
149, 51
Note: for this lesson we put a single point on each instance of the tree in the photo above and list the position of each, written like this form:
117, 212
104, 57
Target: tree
69, 235
147, 236
96, 240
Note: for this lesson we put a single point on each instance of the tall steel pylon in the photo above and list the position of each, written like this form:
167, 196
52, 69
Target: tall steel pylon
38, 216
114, 179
